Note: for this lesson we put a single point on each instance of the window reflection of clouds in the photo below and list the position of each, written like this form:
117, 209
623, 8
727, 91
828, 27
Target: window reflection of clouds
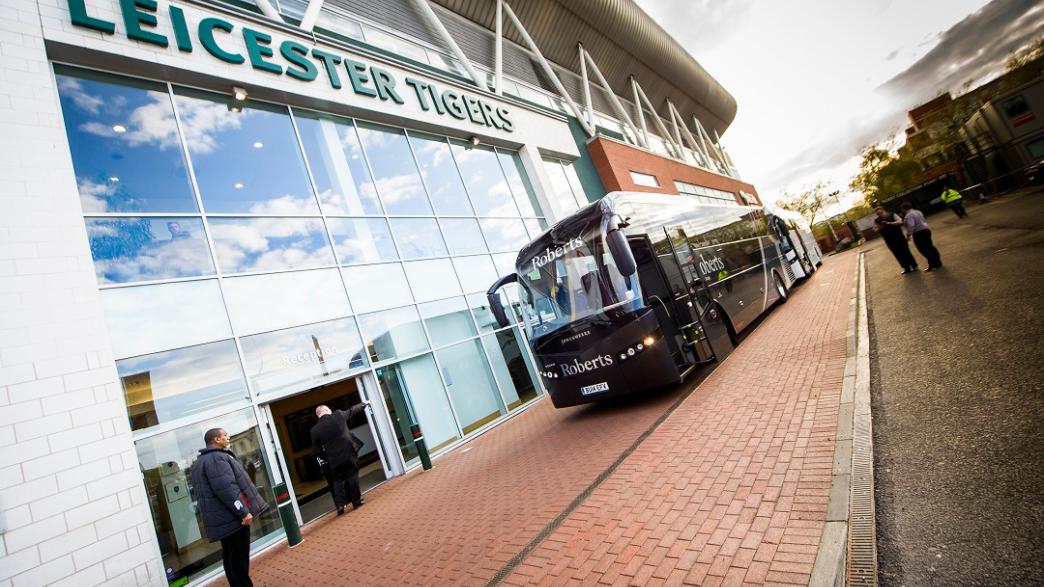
463, 236
337, 163
525, 197
304, 356
432, 280
175, 384
485, 180
504, 234
440, 175
418, 237
375, 287
398, 182
393, 333
245, 161
124, 144
448, 320
535, 226
260, 303
362, 240
475, 273
560, 190
265, 244
145, 249
151, 318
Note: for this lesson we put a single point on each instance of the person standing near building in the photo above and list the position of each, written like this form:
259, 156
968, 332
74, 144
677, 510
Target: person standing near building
334, 443
890, 226
917, 229
228, 502
954, 200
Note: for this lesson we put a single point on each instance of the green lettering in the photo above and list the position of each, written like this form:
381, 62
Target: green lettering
436, 99
330, 62
419, 88
453, 104
78, 14
505, 119
474, 111
181, 34
357, 76
385, 84
206, 38
489, 115
133, 18
257, 44
297, 54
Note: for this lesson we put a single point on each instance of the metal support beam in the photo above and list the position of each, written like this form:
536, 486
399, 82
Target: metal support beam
585, 85
618, 107
548, 71
708, 144
498, 51
433, 21
724, 153
311, 14
641, 113
640, 93
268, 10
701, 158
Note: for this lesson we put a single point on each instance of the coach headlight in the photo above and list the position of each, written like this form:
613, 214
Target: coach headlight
649, 340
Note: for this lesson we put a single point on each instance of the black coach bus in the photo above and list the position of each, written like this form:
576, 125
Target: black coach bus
636, 290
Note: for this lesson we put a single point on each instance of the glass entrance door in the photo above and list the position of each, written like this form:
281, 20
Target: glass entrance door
294, 417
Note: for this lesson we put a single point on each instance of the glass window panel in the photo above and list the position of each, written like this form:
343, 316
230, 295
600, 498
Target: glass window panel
362, 240
505, 262
561, 193
486, 183
479, 304
340, 24
535, 226
418, 237
393, 333
470, 384
150, 318
166, 467
244, 162
398, 183
170, 385
512, 366
414, 394
260, 303
144, 249
574, 182
448, 321
303, 357
124, 143
337, 163
440, 175
376, 287
463, 236
395, 44
521, 188
269, 244
504, 234
475, 273
432, 280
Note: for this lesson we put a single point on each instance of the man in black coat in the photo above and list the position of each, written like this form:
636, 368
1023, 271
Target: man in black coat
228, 502
335, 444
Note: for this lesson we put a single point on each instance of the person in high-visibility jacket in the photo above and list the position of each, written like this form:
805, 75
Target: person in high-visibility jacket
954, 200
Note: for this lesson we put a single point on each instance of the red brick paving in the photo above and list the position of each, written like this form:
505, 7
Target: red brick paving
731, 489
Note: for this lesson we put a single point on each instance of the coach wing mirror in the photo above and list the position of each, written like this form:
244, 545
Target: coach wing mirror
621, 251
493, 296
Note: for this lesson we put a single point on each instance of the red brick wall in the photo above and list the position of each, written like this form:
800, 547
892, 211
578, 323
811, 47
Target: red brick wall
615, 161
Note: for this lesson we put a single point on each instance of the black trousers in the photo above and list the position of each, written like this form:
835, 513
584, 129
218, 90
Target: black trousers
901, 251
235, 555
345, 476
958, 209
923, 240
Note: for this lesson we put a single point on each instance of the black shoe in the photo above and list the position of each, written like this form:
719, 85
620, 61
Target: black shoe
340, 511
356, 506
910, 270
930, 269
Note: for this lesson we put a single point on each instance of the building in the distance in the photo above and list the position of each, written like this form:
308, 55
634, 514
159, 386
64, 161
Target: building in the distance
1006, 135
223, 213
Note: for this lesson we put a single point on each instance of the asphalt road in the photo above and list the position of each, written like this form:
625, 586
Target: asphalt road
958, 401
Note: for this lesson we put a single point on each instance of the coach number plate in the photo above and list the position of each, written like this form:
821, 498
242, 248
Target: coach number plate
596, 388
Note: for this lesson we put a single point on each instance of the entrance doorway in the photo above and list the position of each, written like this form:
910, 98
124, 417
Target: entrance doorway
294, 417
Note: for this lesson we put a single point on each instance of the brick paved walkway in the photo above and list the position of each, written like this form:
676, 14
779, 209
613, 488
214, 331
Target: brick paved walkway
732, 487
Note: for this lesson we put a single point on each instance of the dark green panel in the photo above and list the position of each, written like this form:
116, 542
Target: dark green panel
584, 166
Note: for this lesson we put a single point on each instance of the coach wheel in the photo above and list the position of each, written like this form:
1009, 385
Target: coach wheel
780, 288
728, 325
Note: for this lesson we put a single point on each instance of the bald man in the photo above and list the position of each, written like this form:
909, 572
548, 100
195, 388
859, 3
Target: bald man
334, 443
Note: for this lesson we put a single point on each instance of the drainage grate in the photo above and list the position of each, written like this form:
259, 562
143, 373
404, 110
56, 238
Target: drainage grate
862, 528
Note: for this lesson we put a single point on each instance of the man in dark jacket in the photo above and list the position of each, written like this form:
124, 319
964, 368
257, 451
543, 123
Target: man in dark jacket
335, 444
228, 502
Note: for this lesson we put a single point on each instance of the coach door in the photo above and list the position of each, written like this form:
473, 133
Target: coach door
708, 335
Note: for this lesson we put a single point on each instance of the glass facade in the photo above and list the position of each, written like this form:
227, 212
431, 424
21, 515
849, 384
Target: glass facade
245, 256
